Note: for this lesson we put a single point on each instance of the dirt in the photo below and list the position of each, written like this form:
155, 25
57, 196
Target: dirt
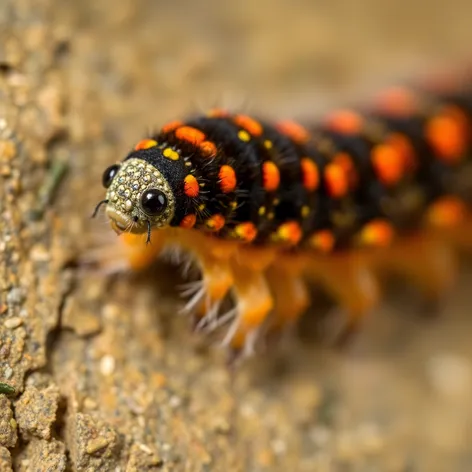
98, 372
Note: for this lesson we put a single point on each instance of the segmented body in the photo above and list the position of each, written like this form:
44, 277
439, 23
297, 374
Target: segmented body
264, 183
356, 180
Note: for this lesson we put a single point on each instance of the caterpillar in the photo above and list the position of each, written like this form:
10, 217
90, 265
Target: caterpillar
264, 208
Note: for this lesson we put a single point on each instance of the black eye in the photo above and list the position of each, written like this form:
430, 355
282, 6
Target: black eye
153, 202
109, 175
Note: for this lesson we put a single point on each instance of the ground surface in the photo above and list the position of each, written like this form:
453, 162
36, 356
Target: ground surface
106, 376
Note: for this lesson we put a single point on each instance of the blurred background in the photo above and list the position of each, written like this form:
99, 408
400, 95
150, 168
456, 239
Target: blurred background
399, 398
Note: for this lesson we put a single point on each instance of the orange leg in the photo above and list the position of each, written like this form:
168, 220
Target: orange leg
253, 303
217, 279
289, 291
428, 263
212, 257
349, 279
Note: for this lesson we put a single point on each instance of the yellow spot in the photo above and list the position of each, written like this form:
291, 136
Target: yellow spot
244, 136
268, 144
276, 201
305, 211
171, 154
270, 215
201, 207
233, 205
262, 210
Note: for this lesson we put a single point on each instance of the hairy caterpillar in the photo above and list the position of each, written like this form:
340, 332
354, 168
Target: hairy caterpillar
263, 208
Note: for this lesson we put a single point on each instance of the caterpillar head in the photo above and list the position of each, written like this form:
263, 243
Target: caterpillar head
138, 197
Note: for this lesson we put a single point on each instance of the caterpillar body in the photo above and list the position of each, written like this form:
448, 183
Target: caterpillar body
264, 208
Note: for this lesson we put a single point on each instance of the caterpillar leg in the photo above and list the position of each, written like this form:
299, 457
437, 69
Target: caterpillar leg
290, 294
428, 263
349, 279
217, 279
213, 258
252, 297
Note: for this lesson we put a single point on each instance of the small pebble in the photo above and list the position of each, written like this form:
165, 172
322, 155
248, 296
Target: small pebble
12, 323
95, 445
90, 404
145, 449
107, 365
175, 401
8, 372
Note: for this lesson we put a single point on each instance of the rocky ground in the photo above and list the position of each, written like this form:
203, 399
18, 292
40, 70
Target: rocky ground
98, 373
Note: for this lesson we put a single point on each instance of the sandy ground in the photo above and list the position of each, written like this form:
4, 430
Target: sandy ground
106, 376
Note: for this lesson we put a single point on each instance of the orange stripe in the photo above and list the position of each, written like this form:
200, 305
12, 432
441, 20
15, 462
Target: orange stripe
249, 124
189, 134
191, 187
270, 176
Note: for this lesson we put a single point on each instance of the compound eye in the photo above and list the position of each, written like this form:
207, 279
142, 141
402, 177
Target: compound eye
153, 202
109, 175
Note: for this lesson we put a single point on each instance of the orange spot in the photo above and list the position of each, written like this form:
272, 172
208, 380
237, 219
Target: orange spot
403, 145
188, 221
227, 178
289, 232
377, 233
216, 222
250, 125
336, 180
191, 188
218, 113
270, 176
189, 134
208, 149
388, 164
310, 174
293, 130
322, 240
396, 101
173, 125
446, 212
447, 134
246, 231
345, 121
145, 144
344, 160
